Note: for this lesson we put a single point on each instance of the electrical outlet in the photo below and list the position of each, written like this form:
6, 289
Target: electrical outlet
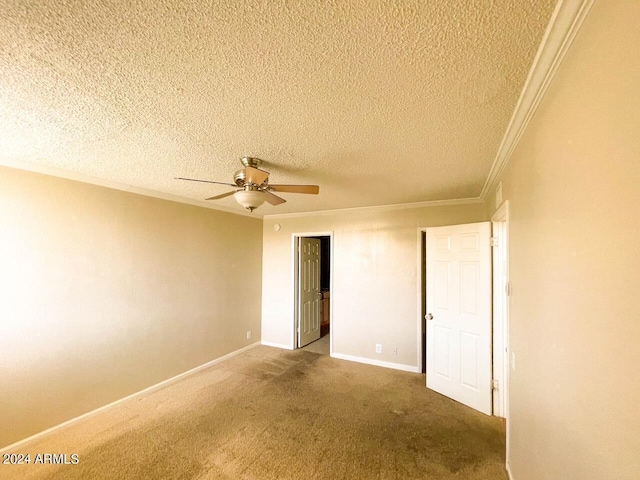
395, 350
248, 334
378, 348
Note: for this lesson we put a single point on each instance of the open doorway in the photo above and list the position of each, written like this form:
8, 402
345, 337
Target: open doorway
312, 296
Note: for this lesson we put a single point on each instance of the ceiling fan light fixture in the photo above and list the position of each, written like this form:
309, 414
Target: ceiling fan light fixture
250, 199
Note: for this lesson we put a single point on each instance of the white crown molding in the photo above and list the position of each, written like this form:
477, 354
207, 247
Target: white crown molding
397, 206
562, 29
101, 182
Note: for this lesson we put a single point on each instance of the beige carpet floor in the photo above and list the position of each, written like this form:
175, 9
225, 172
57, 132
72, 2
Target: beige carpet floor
276, 414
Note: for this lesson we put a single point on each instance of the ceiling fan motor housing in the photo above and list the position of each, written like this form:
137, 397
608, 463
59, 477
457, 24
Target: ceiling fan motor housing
251, 162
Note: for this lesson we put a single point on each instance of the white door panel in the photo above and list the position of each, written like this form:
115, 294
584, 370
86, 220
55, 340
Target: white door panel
309, 291
459, 313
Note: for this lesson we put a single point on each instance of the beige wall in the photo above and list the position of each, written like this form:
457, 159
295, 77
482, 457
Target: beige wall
574, 191
375, 277
105, 293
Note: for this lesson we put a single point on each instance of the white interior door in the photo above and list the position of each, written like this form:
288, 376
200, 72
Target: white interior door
309, 290
459, 313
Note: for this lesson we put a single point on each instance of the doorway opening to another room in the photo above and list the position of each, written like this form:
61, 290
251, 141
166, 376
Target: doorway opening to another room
313, 254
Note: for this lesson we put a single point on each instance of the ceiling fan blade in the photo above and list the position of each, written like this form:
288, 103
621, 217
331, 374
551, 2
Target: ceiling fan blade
255, 175
218, 197
273, 199
311, 189
206, 181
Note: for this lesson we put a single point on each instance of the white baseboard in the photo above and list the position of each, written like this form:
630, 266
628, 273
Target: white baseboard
377, 363
277, 345
145, 391
509, 474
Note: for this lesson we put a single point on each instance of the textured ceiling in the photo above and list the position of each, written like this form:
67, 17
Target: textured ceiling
377, 102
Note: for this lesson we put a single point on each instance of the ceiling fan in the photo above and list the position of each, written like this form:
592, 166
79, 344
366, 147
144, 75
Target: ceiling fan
253, 186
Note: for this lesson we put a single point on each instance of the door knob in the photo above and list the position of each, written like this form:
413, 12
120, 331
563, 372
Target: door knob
428, 316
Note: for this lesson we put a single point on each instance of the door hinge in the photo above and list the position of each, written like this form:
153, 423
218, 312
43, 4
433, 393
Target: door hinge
507, 289
495, 384
494, 241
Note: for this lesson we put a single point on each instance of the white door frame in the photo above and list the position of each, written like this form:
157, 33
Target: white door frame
500, 225
294, 276
500, 232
